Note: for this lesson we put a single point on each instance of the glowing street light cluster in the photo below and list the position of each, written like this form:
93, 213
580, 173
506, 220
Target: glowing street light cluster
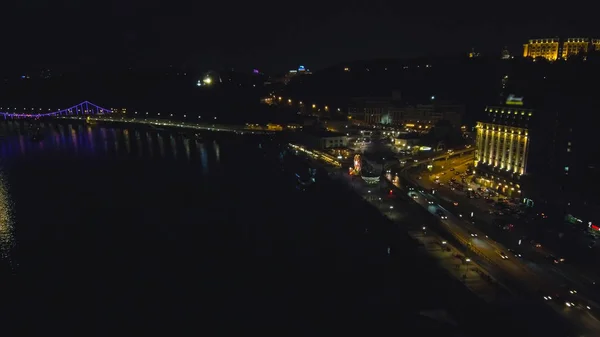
290, 101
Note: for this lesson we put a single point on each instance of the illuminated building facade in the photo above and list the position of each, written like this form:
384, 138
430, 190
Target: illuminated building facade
553, 49
502, 147
542, 155
503, 144
573, 46
544, 144
546, 48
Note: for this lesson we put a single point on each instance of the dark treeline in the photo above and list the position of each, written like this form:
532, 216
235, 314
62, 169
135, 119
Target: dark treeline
235, 97
475, 82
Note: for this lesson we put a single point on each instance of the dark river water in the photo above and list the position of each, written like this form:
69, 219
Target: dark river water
124, 229
107, 231
106, 227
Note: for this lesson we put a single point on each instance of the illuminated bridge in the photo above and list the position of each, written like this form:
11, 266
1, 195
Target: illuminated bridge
83, 108
90, 112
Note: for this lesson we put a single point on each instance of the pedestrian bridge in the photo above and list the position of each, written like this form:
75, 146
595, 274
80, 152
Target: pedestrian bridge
83, 108
89, 112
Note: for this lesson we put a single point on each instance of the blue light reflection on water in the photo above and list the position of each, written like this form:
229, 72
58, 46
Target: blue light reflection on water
102, 141
65, 167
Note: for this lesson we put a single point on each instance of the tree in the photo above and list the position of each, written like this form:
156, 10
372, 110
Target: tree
443, 131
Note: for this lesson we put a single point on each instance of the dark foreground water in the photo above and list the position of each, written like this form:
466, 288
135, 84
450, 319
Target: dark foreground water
135, 232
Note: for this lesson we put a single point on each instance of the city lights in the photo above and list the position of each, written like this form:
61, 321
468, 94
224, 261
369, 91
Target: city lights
83, 108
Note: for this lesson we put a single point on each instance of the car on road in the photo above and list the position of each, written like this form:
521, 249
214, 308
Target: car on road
414, 196
503, 255
515, 253
473, 234
554, 259
430, 202
441, 214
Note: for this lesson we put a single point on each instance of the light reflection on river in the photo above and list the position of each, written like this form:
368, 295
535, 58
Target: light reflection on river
85, 139
6, 224
85, 150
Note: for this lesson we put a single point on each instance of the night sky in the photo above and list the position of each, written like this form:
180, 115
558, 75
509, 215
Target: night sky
271, 36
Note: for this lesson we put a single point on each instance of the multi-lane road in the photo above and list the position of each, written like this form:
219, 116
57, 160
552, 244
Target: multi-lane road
536, 257
526, 279
524, 276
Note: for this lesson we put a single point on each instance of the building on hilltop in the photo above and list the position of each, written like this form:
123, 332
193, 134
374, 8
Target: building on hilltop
553, 49
295, 73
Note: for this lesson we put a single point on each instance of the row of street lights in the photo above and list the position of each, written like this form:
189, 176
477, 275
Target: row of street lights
158, 114
314, 106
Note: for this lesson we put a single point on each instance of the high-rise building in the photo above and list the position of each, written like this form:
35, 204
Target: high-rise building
502, 147
541, 153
